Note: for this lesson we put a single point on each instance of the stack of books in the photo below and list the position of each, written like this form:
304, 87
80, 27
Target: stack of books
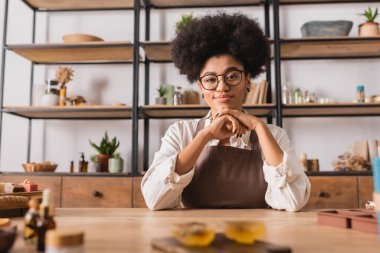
258, 93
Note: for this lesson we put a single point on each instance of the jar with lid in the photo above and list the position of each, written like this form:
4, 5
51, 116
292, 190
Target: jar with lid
360, 94
177, 97
51, 96
64, 241
285, 94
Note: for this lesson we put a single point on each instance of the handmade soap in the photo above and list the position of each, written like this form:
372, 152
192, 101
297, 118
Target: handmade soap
194, 234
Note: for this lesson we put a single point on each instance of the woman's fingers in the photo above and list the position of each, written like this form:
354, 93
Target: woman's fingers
247, 120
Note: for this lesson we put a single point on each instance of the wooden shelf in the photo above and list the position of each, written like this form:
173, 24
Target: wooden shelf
323, 1
70, 112
196, 111
157, 51
83, 52
78, 5
202, 3
330, 47
334, 109
303, 48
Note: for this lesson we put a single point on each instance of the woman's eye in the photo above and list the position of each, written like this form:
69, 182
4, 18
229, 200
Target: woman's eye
210, 79
231, 76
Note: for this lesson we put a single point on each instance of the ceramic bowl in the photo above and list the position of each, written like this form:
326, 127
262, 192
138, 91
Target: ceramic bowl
40, 167
8, 236
326, 28
78, 37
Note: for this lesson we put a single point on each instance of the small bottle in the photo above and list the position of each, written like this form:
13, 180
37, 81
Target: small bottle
177, 97
62, 96
30, 221
64, 241
285, 93
360, 94
72, 167
82, 163
46, 221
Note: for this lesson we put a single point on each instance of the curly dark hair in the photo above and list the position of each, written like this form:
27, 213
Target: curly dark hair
218, 34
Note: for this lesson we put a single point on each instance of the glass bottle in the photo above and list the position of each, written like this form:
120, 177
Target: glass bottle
72, 167
285, 94
30, 221
177, 98
360, 94
46, 221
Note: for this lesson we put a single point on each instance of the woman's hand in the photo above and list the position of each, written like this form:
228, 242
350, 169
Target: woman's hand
224, 126
249, 121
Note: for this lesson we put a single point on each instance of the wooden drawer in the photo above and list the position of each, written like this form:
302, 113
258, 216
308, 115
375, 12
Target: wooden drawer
44, 182
365, 186
333, 192
96, 192
138, 199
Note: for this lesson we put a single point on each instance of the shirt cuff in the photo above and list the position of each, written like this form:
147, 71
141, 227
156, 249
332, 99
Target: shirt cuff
278, 176
165, 173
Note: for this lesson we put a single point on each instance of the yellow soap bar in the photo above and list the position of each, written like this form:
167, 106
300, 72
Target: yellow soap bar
194, 234
244, 232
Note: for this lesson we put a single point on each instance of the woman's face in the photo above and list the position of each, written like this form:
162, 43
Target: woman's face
228, 95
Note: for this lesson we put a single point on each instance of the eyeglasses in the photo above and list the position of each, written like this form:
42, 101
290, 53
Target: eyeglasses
231, 78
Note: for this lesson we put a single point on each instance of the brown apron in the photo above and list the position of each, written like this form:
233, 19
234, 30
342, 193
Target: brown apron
227, 177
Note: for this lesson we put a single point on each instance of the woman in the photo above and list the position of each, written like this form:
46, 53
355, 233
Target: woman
228, 159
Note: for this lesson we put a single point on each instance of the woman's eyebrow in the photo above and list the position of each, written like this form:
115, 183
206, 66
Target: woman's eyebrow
226, 70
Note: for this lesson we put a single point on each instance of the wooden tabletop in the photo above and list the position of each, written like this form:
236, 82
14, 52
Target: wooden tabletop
131, 230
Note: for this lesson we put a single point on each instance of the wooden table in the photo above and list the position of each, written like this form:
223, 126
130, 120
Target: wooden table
131, 230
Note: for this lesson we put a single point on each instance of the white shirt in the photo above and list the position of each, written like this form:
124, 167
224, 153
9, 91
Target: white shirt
288, 186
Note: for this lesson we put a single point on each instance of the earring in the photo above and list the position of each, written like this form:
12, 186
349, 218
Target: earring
247, 88
203, 96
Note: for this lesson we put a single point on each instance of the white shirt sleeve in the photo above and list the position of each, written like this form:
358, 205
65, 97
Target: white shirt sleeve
288, 186
161, 186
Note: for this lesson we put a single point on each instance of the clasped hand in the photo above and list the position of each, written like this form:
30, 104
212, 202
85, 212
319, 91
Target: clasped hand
228, 122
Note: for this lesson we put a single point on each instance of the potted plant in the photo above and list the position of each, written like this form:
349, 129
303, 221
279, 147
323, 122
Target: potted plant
95, 165
105, 151
370, 27
161, 100
185, 19
115, 164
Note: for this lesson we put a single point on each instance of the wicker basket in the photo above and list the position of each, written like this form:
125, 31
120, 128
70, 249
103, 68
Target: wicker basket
40, 167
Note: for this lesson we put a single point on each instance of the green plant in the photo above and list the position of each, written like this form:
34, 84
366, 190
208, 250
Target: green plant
185, 19
94, 158
369, 15
162, 91
116, 155
106, 146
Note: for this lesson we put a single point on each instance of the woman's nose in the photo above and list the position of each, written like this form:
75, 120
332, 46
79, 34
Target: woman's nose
222, 85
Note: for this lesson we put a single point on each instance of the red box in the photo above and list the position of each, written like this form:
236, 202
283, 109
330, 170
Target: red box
30, 187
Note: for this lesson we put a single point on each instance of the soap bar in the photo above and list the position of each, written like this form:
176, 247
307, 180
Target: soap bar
29, 186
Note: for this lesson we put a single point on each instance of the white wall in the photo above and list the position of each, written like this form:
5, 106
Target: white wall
61, 141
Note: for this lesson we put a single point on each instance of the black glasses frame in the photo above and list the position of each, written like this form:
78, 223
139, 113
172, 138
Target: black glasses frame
224, 78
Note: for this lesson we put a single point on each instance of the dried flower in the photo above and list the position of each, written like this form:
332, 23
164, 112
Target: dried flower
64, 75
351, 162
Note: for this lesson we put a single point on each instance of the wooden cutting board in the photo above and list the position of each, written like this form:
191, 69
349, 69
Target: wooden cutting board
219, 245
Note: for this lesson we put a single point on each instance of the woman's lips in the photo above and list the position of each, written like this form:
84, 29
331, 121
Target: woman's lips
222, 98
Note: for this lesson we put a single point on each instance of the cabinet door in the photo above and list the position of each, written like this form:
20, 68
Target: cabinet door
365, 186
138, 199
44, 182
96, 192
333, 192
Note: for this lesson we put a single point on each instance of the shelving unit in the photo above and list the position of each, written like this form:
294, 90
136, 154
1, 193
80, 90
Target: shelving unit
118, 52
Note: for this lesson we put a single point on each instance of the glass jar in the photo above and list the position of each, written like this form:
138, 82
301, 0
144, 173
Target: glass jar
360, 94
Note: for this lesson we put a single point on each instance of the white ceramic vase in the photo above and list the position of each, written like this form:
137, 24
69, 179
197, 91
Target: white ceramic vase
50, 99
115, 165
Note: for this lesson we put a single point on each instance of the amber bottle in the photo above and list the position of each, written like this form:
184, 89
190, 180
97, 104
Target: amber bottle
46, 221
31, 219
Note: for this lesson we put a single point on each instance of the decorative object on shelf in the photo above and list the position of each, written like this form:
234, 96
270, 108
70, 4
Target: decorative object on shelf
298, 96
51, 96
191, 97
313, 165
326, 28
83, 164
372, 99
76, 100
94, 165
80, 37
169, 93
351, 162
40, 167
105, 150
63, 75
115, 164
185, 19
258, 93
177, 97
370, 27
161, 100
303, 161
29, 185
286, 94
360, 94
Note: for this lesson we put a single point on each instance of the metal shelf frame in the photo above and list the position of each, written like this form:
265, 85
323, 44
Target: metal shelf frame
136, 61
